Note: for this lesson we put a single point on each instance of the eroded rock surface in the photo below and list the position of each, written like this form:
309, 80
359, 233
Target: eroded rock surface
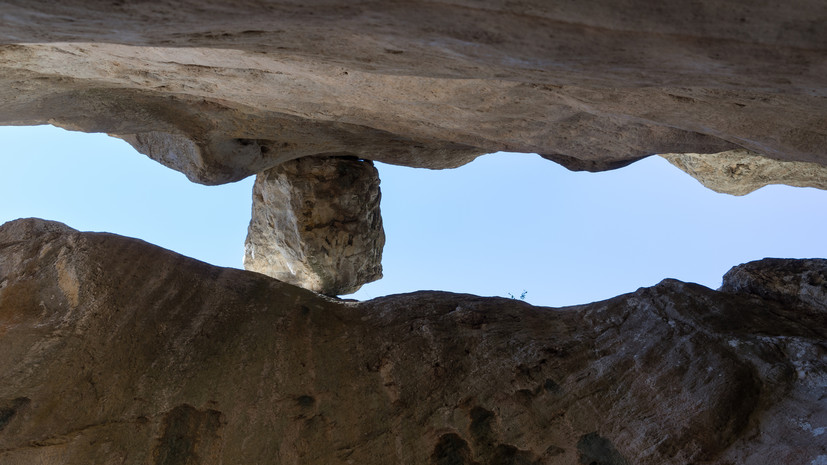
316, 223
221, 90
116, 351
739, 172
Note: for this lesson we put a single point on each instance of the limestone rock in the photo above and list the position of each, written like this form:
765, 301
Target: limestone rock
116, 351
221, 90
739, 172
316, 223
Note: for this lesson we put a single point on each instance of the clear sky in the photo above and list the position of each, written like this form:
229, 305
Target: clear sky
504, 224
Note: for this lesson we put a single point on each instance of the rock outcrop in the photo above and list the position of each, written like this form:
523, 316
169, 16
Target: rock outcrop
316, 224
739, 172
222, 90
789, 281
116, 351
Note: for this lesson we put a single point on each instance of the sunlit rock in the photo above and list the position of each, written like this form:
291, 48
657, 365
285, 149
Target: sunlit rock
316, 224
739, 172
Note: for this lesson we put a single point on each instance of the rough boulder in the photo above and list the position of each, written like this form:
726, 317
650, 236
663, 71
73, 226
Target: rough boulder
316, 224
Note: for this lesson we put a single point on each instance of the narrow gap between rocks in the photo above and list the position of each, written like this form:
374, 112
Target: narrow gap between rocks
502, 225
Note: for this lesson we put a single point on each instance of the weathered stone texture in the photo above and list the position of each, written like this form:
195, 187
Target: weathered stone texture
116, 351
316, 224
221, 90
739, 172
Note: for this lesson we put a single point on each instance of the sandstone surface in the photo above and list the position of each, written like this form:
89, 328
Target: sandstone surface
221, 90
114, 351
316, 224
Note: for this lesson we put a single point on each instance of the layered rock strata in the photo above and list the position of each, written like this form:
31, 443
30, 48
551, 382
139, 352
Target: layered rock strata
222, 90
316, 223
116, 351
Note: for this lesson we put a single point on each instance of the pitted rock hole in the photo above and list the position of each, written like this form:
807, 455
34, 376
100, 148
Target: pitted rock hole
451, 450
191, 437
594, 449
9, 409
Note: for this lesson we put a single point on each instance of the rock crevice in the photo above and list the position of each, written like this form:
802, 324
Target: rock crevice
223, 90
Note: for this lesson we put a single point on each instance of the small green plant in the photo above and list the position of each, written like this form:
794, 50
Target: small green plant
522, 295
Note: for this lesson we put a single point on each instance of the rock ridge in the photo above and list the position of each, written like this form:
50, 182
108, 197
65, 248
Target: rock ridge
116, 351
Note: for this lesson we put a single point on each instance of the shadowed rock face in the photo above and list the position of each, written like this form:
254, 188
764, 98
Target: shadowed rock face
316, 224
116, 351
790, 281
221, 90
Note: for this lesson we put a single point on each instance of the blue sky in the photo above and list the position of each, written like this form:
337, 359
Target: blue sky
504, 224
